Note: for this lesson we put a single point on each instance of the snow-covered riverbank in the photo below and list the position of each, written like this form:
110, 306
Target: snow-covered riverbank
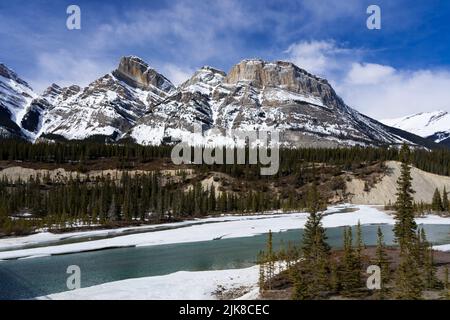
200, 285
204, 230
444, 247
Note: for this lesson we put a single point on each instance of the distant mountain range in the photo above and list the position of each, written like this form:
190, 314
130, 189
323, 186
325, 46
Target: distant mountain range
136, 102
434, 126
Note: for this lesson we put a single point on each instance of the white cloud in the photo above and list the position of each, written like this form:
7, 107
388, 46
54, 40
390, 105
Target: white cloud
177, 74
368, 73
173, 38
380, 91
65, 69
318, 57
399, 93
188, 31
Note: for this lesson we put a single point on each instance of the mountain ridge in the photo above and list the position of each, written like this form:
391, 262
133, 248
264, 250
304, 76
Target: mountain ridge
15, 95
136, 102
434, 125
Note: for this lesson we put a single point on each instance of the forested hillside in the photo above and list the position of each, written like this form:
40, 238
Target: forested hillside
145, 193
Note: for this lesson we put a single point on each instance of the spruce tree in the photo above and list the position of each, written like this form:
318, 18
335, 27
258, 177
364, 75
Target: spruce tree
315, 250
405, 226
334, 276
349, 268
436, 204
408, 281
301, 289
382, 260
262, 271
446, 294
359, 241
429, 269
270, 260
445, 206
408, 284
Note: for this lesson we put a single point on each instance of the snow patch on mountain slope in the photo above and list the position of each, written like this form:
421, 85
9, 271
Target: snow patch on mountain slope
106, 107
147, 135
424, 124
15, 96
260, 96
276, 94
136, 101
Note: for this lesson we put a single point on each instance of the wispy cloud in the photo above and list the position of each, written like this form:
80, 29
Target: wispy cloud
321, 57
384, 92
188, 31
177, 74
65, 69
368, 73
176, 37
381, 91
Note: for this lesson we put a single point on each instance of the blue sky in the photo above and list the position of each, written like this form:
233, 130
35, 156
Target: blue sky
402, 68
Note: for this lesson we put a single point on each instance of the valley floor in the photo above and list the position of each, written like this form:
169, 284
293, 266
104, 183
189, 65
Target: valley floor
190, 285
193, 231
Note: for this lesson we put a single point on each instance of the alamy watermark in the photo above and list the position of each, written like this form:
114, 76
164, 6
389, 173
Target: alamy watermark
74, 280
374, 280
374, 20
73, 21
262, 148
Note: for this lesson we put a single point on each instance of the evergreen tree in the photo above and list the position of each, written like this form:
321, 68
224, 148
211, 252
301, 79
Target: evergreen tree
405, 226
445, 206
315, 250
301, 289
350, 268
446, 294
270, 261
334, 276
436, 204
359, 242
408, 281
382, 260
429, 269
262, 271
408, 284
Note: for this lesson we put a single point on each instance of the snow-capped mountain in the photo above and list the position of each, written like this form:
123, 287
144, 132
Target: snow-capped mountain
107, 107
260, 95
137, 102
432, 125
15, 96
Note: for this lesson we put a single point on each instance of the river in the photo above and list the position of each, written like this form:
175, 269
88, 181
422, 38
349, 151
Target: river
29, 278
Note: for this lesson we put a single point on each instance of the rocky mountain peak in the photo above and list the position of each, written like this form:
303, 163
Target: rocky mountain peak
10, 74
210, 69
70, 91
283, 75
261, 73
438, 115
136, 72
136, 101
52, 92
206, 77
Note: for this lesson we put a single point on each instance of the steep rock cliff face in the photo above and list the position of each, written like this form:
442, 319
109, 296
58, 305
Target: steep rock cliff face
259, 95
15, 96
139, 74
105, 109
135, 101
285, 76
